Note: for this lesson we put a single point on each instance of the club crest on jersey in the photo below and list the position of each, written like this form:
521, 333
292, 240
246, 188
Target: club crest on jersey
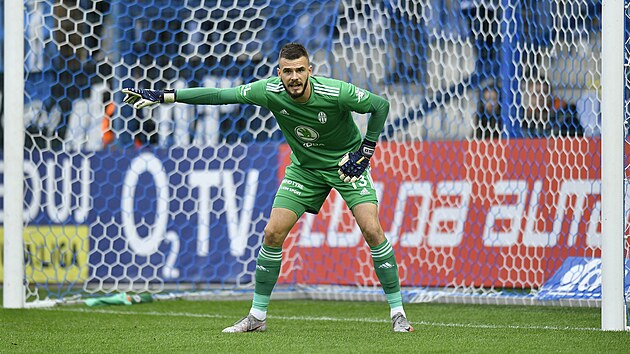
322, 117
306, 134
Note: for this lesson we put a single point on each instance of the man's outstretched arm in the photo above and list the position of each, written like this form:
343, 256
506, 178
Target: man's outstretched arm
141, 98
207, 95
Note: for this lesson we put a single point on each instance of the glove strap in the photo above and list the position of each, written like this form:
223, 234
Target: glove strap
367, 148
169, 96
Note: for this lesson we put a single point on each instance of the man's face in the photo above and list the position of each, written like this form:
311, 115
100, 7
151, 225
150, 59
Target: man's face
294, 75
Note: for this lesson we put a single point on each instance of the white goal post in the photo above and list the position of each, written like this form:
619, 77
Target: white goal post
613, 181
13, 96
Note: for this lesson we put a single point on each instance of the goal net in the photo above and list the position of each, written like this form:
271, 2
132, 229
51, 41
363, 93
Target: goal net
488, 169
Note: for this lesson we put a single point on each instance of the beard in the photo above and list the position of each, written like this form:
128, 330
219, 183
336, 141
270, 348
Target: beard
299, 93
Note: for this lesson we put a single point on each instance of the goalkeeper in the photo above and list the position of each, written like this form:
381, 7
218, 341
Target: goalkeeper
314, 114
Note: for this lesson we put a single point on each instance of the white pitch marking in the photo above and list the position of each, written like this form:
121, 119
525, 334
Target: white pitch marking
326, 319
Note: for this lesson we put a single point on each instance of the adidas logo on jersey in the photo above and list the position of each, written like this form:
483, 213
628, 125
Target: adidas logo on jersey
364, 191
284, 112
386, 265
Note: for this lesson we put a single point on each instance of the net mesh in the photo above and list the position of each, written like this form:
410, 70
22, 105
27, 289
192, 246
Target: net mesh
487, 170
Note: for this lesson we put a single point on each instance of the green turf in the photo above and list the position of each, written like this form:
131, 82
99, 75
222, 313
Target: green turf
306, 327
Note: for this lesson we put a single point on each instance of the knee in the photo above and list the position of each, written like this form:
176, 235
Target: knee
373, 233
274, 236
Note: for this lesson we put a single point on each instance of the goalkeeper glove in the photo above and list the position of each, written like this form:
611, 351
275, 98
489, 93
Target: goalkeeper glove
140, 98
353, 164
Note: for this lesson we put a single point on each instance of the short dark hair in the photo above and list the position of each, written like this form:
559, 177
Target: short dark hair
292, 51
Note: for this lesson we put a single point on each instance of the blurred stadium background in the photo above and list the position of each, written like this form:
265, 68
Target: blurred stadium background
489, 165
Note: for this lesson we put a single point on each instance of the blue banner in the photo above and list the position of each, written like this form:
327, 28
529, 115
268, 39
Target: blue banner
578, 278
177, 215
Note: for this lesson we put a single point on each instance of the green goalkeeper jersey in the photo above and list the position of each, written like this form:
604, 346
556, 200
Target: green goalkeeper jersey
319, 131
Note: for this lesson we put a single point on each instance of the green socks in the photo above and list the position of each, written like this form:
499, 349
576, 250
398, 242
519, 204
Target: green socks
267, 272
386, 270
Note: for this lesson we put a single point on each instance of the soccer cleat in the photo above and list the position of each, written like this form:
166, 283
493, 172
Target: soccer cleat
400, 323
248, 323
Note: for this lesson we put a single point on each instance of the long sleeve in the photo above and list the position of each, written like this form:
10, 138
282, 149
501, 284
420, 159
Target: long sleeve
207, 95
379, 108
359, 100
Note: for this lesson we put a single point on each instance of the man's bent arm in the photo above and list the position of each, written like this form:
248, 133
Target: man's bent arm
207, 95
379, 109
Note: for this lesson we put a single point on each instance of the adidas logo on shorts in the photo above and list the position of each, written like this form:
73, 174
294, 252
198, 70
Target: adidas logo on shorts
364, 191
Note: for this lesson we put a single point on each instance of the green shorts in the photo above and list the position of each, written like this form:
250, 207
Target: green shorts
305, 190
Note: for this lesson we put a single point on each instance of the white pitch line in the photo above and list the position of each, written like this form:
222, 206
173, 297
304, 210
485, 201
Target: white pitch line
326, 319
428, 324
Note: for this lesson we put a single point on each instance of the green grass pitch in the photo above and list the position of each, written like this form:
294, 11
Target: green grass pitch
306, 326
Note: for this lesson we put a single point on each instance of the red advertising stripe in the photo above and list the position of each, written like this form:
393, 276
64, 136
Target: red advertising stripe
484, 213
